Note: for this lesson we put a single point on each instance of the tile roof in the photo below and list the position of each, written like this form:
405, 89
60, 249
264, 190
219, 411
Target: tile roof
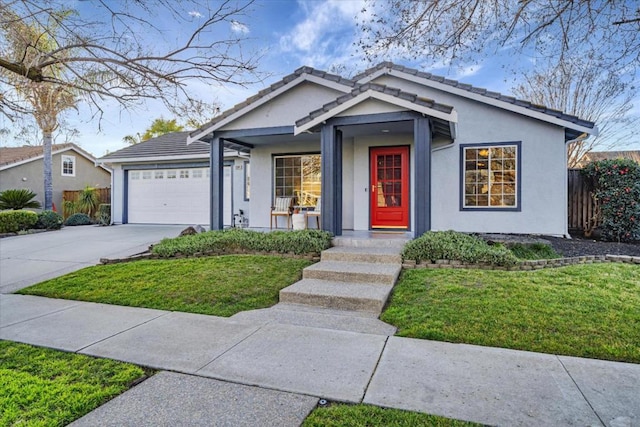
10, 155
167, 145
362, 88
480, 91
287, 79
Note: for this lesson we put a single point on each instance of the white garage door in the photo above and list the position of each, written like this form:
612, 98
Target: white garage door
174, 196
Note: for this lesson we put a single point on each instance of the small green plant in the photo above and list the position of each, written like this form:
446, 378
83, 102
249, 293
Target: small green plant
49, 220
88, 201
239, 240
78, 219
616, 187
18, 199
15, 221
532, 251
452, 245
69, 208
104, 214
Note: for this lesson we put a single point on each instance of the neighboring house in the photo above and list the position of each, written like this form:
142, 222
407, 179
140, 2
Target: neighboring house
72, 169
593, 156
165, 181
398, 149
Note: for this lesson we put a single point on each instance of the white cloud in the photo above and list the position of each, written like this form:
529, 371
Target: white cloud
195, 14
239, 27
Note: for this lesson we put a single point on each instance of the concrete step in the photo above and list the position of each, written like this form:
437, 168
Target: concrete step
383, 255
358, 272
373, 241
318, 317
337, 295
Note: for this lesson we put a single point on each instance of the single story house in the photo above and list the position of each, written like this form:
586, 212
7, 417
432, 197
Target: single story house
165, 181
72, 169
395, 148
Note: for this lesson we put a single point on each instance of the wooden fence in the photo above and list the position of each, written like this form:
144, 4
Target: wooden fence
104, 196
582, 207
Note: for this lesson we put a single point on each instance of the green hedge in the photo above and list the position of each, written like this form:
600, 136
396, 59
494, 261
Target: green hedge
78, 219
49, 220
452, 245
234, 240
14, 221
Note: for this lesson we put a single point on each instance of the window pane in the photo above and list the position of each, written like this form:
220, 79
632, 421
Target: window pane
299, 177
490, 173
158, 174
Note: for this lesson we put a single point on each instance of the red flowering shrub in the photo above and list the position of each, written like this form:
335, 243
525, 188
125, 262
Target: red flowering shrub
616, 185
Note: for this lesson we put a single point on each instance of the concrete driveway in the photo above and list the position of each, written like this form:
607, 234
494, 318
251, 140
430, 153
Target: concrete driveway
29, 259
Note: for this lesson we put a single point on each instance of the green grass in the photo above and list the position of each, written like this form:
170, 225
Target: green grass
220, 286
587, 311
369, 416
43, 387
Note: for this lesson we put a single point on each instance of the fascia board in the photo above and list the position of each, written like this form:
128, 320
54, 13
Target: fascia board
451, 117
268, 97
119, 160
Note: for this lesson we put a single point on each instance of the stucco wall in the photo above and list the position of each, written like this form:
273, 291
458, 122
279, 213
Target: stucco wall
285, 109
543, 174
86, 174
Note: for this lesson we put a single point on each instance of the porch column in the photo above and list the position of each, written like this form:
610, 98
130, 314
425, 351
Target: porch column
331, 171
422, 182
216, 180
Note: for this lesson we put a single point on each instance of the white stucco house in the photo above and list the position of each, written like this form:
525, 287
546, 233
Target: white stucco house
398, 149
165, 181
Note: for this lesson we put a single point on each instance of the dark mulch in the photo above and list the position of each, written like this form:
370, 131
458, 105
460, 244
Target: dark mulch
579, 246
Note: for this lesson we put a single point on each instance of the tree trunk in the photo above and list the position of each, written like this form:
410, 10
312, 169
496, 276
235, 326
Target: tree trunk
47, 162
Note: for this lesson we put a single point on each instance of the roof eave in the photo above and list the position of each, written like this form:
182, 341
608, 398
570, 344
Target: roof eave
369, 94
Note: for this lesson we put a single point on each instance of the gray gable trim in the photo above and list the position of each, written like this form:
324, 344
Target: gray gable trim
475, 90
274, 87
168, 145
362, 88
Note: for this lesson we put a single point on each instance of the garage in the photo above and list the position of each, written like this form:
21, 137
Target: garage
174, 196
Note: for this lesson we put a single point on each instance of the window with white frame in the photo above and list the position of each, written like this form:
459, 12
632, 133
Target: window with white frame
184, 173
68, 165
158, 174
298, 176
171, 174
490, 176
135, 175
197, 173
146, 174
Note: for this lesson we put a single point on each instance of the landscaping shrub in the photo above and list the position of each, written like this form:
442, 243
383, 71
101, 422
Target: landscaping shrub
78, 219
238, 240
451, 245
49, 220
104, 214
18, 199
616, 186
88, 201
14, 221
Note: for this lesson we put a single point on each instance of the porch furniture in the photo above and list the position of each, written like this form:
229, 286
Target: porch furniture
282, 207
317, 211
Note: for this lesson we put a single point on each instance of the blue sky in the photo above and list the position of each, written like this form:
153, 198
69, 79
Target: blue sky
288, 34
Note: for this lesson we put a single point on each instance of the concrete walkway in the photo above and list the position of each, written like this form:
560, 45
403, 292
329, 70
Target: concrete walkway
263, 372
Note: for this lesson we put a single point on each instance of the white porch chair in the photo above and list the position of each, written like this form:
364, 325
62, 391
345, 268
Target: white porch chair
282, 207
317, 211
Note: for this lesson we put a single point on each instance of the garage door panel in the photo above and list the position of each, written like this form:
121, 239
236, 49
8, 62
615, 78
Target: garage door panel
156, 198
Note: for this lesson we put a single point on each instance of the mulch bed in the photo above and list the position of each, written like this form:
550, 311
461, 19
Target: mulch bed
580, 246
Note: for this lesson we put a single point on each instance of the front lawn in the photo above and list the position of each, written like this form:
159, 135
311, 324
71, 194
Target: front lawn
586, 310
337, 415
220, 286
51, 388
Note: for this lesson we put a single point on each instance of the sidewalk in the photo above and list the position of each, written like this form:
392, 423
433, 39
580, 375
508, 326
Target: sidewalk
293, 366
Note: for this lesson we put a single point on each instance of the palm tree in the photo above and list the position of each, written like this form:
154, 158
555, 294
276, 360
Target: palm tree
46, 100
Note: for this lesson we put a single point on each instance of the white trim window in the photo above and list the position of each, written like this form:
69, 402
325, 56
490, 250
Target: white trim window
68, 165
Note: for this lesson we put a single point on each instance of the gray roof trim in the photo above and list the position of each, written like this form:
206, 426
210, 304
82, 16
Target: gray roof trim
168, 145
369, 74
401, 96
331, 79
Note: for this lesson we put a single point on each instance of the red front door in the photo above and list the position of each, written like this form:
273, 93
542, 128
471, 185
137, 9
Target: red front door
390, 187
